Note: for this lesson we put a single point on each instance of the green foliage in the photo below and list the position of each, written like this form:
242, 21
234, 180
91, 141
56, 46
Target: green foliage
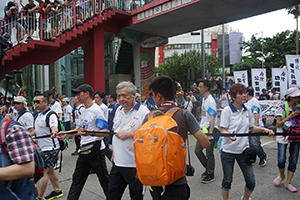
177, 66
274, 51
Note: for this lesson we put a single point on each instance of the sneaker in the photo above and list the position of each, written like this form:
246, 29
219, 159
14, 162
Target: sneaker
208, 179
203, 175
40, 199
57, 165
290, 187
277, 181
262, 162
242, 198
75, 153
54, 194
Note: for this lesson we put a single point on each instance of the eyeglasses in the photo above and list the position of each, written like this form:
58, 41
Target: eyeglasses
18, 103
37, 101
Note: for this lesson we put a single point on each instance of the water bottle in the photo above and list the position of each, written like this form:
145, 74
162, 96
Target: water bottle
85, 124
287, 125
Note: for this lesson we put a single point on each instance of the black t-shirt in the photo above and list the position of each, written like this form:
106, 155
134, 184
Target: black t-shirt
264, 97
29, 7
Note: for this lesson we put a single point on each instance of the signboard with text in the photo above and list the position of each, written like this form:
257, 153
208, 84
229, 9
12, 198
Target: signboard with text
293, 70
279, 77
241, 77
258, 80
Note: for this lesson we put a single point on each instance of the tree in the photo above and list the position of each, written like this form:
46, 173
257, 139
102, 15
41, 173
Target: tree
295, 10
177, 66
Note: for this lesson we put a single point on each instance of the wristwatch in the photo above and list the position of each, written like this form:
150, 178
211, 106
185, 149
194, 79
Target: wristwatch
93, 134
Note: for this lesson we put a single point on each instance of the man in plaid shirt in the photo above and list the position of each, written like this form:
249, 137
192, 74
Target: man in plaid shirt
18, 166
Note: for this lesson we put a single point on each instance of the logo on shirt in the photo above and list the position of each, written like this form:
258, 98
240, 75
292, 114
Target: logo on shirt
135, 118
132, 124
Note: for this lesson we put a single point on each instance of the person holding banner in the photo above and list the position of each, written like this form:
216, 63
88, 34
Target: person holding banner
285, 114
255, 140
237, 118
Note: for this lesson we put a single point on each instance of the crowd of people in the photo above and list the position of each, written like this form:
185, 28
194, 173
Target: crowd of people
56, 15
104, 125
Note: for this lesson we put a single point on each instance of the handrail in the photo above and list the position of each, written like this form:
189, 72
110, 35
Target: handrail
46, 26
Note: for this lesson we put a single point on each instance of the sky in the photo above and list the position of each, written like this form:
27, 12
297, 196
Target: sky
270, 24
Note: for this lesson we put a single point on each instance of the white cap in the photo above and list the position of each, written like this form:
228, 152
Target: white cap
66, 99
21, 99
293, 92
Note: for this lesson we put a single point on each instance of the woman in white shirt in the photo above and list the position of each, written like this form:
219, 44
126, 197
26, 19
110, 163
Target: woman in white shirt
237, 118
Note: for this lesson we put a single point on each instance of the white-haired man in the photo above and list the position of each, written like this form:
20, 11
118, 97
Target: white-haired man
128, 118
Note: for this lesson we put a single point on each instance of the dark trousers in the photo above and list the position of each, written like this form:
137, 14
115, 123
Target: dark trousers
77, 142
84, 164
67, 126
172, 192
208, 160
108, 152
119, 178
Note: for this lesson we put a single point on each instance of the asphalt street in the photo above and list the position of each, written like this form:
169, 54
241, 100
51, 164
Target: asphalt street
264, 189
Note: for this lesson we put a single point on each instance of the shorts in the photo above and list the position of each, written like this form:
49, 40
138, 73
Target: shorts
32, 23
14, 24
50, 158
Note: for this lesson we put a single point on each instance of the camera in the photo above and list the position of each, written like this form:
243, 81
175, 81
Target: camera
189, 170
4, 41
296, 109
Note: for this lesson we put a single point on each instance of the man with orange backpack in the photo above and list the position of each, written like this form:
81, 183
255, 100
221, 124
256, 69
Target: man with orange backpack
163, 89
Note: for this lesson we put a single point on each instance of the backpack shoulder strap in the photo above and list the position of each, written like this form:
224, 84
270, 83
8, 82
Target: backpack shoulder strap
48, 117
22, 114
172, 111
3, 127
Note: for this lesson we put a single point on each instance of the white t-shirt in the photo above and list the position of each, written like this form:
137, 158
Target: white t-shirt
280, 138
67, 109
104, 108
56, 107
26, 120
46, 144
224, 98
254, 106
91, 114
240, 122
207, 103
188, 105
78, 111
274, 96
132, 121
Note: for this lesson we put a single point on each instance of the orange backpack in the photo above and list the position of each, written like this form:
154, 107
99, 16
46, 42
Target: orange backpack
159, 150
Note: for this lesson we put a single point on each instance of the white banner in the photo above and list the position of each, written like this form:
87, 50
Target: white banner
241, 77
293, 70
279, 81
269, 107
258, 80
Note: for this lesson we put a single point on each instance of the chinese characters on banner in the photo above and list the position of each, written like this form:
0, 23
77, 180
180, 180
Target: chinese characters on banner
293, 70
258, 80
241, 77
279, 77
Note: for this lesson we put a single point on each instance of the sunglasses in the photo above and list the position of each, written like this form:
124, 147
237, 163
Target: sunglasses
18, 103
37, 101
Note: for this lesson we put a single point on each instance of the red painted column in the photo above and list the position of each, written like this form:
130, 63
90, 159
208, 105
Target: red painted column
94, 64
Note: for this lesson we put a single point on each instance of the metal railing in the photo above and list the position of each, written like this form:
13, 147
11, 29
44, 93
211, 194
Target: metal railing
39, 25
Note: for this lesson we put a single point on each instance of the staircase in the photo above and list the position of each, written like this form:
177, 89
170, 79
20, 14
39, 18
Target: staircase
45, 52
125, 59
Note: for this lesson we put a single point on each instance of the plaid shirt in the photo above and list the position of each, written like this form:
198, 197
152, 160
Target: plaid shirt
19, 144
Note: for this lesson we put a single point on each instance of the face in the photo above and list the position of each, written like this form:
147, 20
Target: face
264, 92
18, 106
223, 91
40, 104
98, 100
125, 98
109, 99
273, 91
82, 96
75, 100
201, 88
240, 98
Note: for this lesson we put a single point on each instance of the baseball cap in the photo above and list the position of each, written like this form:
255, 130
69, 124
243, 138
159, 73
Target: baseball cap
66, 99
21, 99
84, 88
293, 92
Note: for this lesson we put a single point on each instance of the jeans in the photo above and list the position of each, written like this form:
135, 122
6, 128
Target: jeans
228, 160
255, 143
293, 158
208, 160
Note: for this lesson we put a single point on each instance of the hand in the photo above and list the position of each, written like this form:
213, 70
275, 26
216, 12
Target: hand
85, 133
294, 114
122, 135
54, 135
271, 132
233, 138
61, 135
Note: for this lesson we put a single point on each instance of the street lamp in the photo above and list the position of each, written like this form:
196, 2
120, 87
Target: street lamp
262, 48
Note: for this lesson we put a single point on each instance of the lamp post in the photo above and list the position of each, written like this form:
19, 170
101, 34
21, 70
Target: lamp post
262, 48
